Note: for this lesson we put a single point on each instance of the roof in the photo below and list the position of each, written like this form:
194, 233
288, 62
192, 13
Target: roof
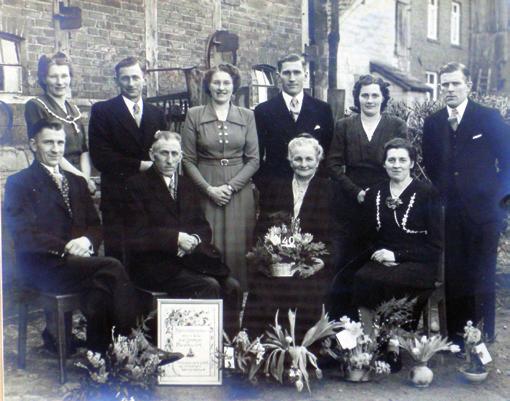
405, 81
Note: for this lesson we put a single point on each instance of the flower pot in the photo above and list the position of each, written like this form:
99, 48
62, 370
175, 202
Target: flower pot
473, 377
358, 375
421, 375
282, 269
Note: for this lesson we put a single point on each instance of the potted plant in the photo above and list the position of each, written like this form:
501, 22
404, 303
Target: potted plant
474, 369
358, 353
248, 356
285, 251
285, 358
128, 371
422, 350
389, 318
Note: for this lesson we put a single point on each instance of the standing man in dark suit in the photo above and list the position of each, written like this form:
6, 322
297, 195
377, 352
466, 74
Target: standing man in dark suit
166, 225
466, 153
121, 131
284, 117
56, 231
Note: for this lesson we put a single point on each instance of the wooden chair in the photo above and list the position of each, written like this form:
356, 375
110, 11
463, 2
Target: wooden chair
59, 304
149, 300
438, 295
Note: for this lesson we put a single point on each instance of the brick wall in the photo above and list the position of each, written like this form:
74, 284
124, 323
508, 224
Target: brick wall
429, 55
114, 29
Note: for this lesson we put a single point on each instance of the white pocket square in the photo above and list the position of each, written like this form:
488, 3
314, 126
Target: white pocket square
317, 127
477, 136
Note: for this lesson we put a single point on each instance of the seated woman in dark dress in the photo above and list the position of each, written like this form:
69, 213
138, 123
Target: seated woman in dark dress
307, 197
403, 224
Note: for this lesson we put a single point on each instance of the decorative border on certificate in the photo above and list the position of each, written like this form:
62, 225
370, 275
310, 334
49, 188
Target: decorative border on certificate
193, 327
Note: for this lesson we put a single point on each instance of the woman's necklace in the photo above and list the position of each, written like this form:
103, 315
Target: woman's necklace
396, 192
68, 120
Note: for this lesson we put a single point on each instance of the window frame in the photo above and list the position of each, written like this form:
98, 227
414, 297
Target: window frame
18, 66
434, 85
455, 22
433, 19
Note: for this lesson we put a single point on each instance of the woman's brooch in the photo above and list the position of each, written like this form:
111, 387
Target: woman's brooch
392, 202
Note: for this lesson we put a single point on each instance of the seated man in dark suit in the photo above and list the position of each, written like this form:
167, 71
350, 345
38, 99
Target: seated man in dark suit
56, 232
166, 224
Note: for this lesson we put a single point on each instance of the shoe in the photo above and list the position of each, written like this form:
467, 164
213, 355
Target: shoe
50, 343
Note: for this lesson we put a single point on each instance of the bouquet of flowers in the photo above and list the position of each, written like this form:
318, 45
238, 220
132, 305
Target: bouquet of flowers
424, 348
356, 350
128, 371
472, 343
286, 244
248, 355
282, 348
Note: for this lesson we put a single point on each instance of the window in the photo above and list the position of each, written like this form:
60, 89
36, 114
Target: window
455, 24
10, 66
432, 16
263, 78
431, 80
402, 28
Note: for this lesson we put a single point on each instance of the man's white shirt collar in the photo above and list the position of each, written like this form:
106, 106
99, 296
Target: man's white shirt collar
461, 108
52, 170
288, 98
129, 103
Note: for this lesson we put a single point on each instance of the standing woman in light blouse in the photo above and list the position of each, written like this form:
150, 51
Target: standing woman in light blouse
54, 75
221, 155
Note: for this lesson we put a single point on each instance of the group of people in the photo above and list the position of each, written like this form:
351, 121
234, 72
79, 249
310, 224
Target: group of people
170, 202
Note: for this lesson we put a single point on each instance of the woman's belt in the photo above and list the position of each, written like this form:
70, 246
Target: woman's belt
235, 161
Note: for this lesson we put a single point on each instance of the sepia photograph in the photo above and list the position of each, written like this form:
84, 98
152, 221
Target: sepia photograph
254, 200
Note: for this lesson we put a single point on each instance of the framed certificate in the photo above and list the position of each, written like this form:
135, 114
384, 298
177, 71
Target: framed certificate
194, 328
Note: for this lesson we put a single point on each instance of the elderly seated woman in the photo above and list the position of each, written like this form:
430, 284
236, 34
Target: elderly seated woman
308, 197
403, 224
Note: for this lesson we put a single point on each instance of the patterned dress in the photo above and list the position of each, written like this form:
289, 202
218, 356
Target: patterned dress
76, 138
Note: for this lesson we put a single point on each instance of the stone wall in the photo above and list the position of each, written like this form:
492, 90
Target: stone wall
367, 33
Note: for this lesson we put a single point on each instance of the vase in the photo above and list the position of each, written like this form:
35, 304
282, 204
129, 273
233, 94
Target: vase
358, 375
473, 377
421, 375
282, 269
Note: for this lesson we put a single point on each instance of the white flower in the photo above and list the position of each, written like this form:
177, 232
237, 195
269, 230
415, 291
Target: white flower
423, 340
273, 238
454, 348
307, 238
415, 351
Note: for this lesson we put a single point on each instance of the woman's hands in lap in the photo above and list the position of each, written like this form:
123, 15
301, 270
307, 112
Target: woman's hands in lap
384, 256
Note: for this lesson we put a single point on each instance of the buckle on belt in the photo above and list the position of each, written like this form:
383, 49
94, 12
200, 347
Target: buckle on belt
224, 162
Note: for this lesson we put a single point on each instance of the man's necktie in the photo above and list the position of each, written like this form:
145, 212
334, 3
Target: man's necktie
172, 188
294, 108
63, 186
453, 119
137, 114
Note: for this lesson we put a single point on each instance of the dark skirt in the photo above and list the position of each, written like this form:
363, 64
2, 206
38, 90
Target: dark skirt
375, 283
269, 294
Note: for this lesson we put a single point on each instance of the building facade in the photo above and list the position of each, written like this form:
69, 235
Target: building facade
404, 41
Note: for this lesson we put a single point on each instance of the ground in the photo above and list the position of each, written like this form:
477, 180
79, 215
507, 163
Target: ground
40, 380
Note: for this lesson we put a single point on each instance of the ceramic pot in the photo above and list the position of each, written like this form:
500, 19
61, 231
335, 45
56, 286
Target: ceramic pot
421, 375
358, 375
282, 269
473, 377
